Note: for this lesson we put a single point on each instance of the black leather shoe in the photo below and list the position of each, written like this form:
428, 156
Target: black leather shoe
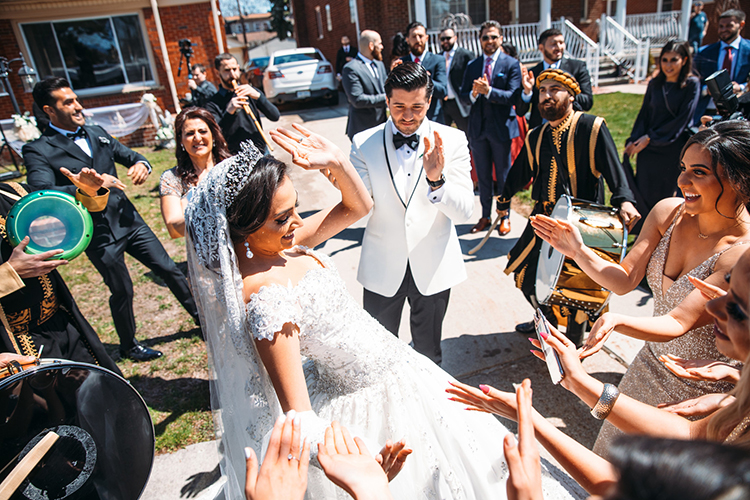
140, 352
526, 328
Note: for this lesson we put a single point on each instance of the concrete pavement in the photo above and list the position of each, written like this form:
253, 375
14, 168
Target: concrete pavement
479, 341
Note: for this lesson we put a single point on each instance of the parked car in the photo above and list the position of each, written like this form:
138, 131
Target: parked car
299, 75
254, 71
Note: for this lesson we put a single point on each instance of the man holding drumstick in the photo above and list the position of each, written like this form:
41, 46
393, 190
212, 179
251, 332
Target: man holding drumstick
561, 163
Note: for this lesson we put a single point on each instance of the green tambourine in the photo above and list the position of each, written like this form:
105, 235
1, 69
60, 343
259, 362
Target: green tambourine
52, 220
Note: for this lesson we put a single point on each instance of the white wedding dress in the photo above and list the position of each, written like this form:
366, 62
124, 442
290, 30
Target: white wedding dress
356, 371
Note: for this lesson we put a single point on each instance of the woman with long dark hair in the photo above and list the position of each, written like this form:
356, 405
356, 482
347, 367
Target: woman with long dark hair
200, 146
658, 133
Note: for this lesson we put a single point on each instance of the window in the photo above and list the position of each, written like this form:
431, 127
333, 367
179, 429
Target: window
438, 9
90, 53
319, 19
328, 18
290, 58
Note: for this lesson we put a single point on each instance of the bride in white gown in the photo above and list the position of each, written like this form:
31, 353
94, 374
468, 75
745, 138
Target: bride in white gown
284, 334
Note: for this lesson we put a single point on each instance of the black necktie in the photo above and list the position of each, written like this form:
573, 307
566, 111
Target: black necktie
78, 134
399, 140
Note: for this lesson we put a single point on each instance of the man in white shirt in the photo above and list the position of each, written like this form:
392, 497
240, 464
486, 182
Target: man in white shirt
417, 172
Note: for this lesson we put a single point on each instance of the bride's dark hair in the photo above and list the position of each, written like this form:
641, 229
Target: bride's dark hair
250, 208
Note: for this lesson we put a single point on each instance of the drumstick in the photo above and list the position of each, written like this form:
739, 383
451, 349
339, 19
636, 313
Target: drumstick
250, 113
26, 465
486, 236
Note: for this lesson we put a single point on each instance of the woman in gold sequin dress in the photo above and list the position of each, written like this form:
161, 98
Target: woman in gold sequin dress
701, 236
728, 425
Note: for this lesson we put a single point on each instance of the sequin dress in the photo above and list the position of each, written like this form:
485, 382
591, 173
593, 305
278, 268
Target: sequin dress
647, 379
377, 386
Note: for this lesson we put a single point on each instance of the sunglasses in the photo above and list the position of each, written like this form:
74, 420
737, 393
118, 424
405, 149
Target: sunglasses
487, 38
445, 38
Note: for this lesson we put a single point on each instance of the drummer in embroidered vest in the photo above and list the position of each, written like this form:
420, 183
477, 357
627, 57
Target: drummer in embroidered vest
36, 307
568, 154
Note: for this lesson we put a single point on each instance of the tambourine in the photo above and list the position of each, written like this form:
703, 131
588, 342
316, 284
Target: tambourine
52, 220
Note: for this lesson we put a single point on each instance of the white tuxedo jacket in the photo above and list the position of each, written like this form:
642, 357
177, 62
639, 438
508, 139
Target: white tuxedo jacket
414, 231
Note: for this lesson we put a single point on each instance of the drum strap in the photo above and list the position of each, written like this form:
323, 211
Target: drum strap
17, 188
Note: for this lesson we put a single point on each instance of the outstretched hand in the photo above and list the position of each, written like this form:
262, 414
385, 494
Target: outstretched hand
561, 234
708, 370
393, 457
87, 180
350, 466
708, 290
603, 327
309, 150
485, 399
698, 407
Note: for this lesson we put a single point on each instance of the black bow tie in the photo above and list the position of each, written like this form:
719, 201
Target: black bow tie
78, 134
399, 140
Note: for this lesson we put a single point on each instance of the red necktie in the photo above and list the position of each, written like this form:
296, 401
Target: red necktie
416, 60
728, 61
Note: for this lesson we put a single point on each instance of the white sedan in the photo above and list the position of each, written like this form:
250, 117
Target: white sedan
299, 74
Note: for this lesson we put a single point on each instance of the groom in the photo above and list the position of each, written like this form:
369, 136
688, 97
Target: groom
417, 172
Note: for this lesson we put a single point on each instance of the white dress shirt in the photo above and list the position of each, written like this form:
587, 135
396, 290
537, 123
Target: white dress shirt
406, 171
451, 91
723, 53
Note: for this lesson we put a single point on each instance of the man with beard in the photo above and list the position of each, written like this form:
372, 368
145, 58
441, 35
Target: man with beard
363, 79
416, 37
546, 156
456, 60
491, 86
227, 106
731, 52
552, 47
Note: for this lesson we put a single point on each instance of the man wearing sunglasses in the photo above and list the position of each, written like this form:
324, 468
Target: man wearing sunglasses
456, 60
491, 86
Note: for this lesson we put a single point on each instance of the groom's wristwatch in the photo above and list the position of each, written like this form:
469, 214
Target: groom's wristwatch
436, 184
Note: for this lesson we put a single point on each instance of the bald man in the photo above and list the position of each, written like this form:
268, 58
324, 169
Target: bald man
363, 79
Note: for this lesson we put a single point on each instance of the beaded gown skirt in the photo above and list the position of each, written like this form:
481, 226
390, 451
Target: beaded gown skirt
377, 386
647, 379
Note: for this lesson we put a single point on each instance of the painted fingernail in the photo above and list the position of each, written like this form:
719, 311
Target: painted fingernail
248, 453
531, 340
544, 335
484, 388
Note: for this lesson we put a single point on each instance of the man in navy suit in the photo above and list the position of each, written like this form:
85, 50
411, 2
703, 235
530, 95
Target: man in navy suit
491, 86
731, 52
434, 64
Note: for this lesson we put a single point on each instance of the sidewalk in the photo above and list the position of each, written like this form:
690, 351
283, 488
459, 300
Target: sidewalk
479, 341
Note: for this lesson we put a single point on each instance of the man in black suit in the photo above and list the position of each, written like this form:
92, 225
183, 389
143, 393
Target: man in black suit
491, 86
227, 106
456, 60
68, 143
363, 79
434, 64
346, 53
552, 47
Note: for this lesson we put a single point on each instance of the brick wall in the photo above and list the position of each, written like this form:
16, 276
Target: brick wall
193, 21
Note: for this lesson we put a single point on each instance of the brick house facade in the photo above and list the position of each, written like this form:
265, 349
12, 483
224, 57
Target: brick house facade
179, 18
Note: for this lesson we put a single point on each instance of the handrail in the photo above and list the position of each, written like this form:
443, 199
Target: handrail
626, 51
658, 27
622, 30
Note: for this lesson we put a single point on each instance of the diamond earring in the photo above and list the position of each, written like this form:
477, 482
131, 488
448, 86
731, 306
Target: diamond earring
248, 254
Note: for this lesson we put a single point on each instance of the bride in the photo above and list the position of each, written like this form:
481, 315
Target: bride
283, 335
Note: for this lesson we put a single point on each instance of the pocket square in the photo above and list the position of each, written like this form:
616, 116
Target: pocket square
103, 140
500, 74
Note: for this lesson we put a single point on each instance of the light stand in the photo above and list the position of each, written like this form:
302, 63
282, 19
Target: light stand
28, 80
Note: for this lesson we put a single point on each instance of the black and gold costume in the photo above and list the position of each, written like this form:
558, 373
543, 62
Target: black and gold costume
41, 311
588, 153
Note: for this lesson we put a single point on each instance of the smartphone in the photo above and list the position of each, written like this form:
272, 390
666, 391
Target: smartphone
550, 355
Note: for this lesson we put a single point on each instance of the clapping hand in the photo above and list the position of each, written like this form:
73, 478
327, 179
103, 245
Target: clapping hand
434, 158
561, 234
480, 86
707, 370
309, 150
87, 180
284, 470
527, 80
349, 465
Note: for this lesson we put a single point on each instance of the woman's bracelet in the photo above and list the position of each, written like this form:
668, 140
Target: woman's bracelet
606, 402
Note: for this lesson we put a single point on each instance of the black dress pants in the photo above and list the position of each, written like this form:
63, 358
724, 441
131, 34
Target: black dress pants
145, 247
452, 114
427, 313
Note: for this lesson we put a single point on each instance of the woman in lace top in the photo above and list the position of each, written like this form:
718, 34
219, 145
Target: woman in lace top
200, 146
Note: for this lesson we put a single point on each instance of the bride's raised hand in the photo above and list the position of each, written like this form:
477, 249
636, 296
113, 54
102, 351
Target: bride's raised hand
486, 399
393, 457
309, 150
561, 234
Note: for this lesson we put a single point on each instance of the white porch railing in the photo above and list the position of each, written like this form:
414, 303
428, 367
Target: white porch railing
524, 37
623, 48
580, 46
658, 27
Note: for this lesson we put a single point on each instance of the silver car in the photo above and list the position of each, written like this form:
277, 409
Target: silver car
298, 75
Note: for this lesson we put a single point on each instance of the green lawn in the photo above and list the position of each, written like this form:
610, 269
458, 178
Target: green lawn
175, 387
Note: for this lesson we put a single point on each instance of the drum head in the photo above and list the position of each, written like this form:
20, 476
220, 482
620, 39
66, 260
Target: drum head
106, 444
550, 260
51, 220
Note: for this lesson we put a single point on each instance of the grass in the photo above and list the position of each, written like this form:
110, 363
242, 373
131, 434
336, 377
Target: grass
175, 387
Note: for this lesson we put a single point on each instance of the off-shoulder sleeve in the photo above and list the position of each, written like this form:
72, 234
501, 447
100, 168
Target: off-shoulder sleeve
270, 309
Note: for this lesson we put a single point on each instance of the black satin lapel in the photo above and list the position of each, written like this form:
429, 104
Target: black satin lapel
70, 147
388, 162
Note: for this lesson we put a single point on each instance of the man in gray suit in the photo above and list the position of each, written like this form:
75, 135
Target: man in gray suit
363, 79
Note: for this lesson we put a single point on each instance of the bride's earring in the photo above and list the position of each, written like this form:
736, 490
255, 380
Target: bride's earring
248, 254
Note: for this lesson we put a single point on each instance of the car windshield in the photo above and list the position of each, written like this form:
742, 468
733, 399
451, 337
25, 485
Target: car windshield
259, 62
289, 58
